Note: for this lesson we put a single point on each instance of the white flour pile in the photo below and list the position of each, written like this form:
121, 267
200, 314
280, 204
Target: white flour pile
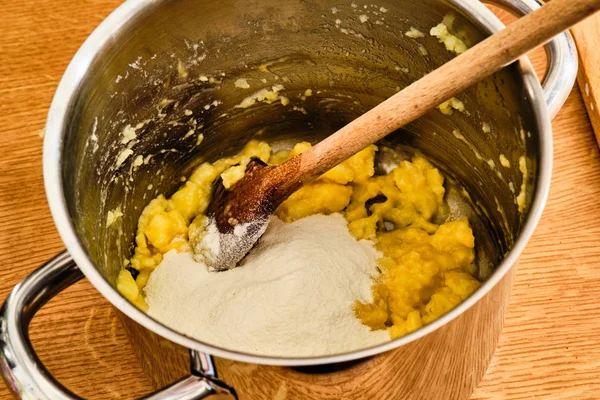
292, 296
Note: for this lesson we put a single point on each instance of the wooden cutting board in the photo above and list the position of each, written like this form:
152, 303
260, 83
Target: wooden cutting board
550, 347
587, 37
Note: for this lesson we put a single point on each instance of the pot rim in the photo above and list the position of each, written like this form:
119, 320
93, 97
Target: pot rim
52, 159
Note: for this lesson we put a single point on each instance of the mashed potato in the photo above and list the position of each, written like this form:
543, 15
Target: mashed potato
426, 269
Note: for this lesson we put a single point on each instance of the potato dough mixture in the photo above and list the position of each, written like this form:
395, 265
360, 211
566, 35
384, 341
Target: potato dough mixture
426, 269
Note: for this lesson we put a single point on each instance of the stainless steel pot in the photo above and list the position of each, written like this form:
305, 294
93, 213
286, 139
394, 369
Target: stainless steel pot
151, 60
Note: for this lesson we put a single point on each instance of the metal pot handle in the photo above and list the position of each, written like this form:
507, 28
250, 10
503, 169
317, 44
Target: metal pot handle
25, 374
561, 53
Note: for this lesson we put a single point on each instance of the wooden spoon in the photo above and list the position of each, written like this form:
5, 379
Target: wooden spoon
237, 217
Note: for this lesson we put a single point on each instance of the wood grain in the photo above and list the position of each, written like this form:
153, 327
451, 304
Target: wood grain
550, 347
587, 37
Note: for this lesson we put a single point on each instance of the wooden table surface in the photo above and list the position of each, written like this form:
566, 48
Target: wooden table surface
550, 347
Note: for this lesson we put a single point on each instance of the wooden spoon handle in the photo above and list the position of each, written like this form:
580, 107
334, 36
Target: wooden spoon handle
482, 60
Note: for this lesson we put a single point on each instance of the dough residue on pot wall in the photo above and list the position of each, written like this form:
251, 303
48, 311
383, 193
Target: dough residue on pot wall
522, 193
448, 106
242, 83
265, 95
414, 33
504, 161
450, 41
113, 216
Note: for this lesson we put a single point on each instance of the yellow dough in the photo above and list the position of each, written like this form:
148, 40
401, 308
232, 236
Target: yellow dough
426, 269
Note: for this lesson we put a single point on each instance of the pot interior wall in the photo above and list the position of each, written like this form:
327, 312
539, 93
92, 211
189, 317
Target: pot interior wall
182, 55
